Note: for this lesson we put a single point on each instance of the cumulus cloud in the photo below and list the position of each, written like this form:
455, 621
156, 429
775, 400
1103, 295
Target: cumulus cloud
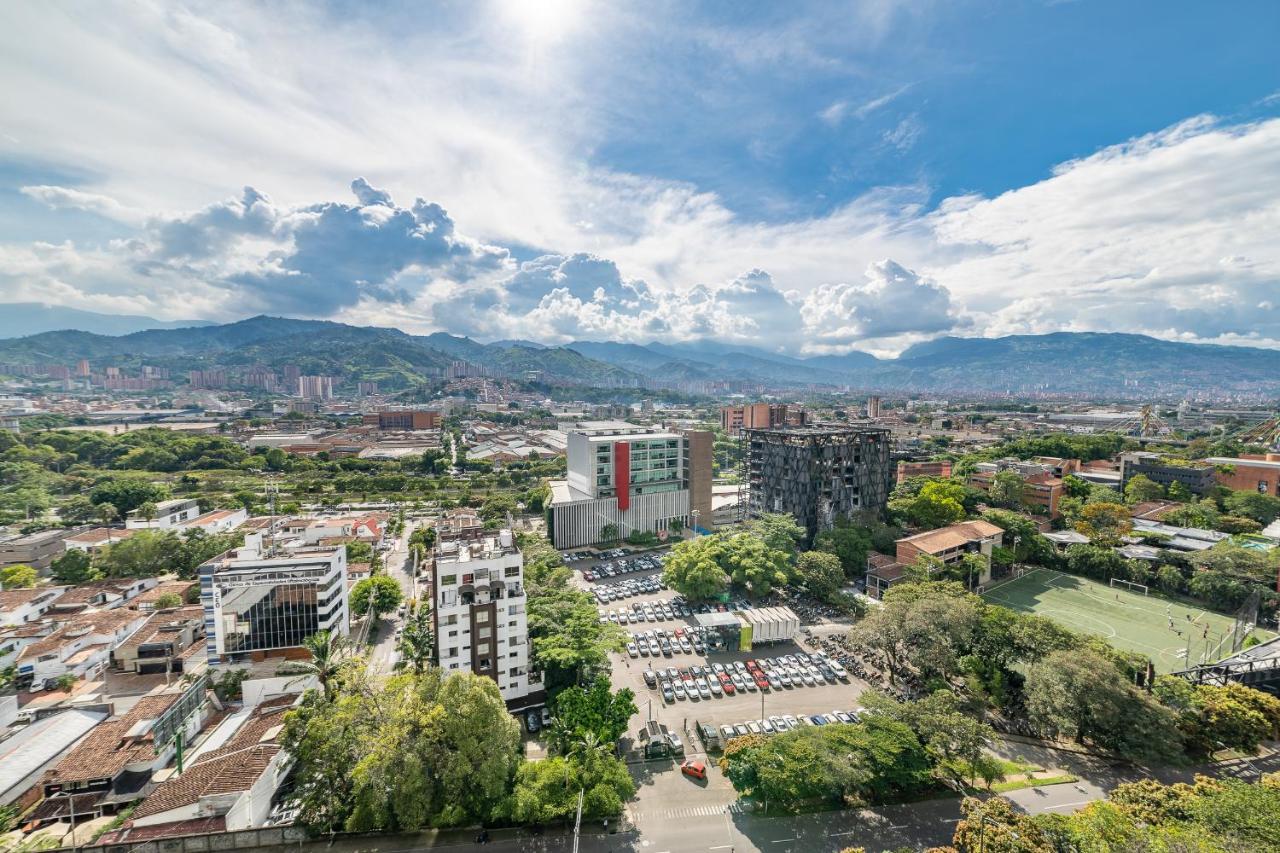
65, 198
892, 301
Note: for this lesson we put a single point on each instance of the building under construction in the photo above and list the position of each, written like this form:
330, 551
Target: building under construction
816, 473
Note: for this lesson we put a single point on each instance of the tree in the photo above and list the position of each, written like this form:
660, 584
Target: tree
954, 739
922, 627
1104, 523
593, 711
1094, 561
168, 601
18, 577
849, 542
609, 533
1082, 695
693, 569
107, 512
1007, 490
1142, 488
547, 791
568, 643
416, 643
779, 531
1237, 524
412, 753
1263, 509
126, 493
938, 503
74, 567
1179, 492
821, 574
329, 654
377, 595
145, 554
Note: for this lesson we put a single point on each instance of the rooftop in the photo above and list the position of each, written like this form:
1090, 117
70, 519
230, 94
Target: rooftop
953, 536
114, 744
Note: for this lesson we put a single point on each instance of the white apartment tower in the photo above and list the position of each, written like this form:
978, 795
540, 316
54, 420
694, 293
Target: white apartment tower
480, 616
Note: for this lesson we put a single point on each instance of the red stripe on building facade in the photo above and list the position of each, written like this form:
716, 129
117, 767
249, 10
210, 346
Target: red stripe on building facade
622, 473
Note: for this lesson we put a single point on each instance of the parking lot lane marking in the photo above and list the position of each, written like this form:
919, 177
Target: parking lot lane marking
785, 840
838, 834
721, 847
1069, 805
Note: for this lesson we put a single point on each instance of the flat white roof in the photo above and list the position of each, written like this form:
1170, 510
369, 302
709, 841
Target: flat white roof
27, 752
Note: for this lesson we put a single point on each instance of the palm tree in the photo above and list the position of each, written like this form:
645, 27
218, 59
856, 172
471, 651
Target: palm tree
416, 642
329, 652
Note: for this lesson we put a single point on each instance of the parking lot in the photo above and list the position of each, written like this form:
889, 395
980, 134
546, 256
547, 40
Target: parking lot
768, 688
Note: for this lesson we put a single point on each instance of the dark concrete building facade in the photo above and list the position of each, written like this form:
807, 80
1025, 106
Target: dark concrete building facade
818, 473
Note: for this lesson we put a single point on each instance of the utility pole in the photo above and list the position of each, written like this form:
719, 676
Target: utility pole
577, 821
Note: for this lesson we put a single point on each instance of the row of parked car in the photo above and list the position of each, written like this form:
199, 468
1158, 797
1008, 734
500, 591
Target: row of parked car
645, 611
699, 682
786, 722
613, 553
627, 588
616, 568
667, 642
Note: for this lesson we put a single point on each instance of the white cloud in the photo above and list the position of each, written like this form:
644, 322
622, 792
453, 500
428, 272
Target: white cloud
1172, 233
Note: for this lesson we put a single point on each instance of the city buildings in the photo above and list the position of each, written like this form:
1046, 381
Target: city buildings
632, 478
930, 468
315, 387
407, 419
818, 473
1250, 472
734, 419
1196, 477
37, 550
949, 544
1041, 488
257, 605
165, 515
479, 617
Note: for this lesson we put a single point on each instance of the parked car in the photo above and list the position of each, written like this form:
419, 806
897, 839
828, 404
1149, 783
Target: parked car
533, 722
694, 769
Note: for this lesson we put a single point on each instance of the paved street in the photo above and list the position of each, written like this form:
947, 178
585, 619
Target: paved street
397, 564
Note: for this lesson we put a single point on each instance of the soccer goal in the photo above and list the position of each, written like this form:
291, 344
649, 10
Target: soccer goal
1132, 586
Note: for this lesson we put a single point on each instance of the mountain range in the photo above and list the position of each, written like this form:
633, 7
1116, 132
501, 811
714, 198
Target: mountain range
1064, 362
29, 318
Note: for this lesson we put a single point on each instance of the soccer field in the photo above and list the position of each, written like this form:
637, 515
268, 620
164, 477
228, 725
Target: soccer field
1163, 630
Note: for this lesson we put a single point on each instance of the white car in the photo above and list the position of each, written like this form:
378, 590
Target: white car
633, 650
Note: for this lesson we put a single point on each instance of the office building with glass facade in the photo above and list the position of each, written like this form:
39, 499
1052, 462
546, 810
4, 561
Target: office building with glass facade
256, 606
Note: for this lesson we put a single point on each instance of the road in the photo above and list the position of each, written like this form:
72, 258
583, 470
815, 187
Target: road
398, 564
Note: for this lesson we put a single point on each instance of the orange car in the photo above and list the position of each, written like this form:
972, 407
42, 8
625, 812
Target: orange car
694, 769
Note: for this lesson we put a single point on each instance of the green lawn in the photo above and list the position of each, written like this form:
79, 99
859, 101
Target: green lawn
1127, 620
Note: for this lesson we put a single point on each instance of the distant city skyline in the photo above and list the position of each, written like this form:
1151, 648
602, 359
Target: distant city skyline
809, 178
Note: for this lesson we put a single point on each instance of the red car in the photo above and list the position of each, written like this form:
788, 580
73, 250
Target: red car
695, 769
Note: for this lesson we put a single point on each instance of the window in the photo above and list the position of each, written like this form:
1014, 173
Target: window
448, 580
482, 616
484, 634
511, 571
468, 578
482, 648
484, 663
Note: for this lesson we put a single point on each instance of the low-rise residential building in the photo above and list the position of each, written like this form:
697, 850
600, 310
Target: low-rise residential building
102, 594
165, 515
146, 601
1195, 477
313, 531
228, 788
114, 764
480, 618
37, 550
96, 539
949, 544
217, 521
1248, 473
20, 606
257, 606
158, 644
80, 646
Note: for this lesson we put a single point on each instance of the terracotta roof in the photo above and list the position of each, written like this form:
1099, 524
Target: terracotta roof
232, 767
157, 622
12, 599
80, 595
99, 535
195, 826
102, 621
178, 588
954, 536
106, 750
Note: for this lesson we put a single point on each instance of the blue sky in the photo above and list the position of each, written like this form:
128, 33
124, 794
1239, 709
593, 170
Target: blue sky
810, 176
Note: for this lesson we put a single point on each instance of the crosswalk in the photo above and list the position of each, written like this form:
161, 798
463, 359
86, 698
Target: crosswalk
692, 811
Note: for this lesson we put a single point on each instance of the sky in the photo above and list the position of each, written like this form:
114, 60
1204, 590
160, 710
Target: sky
806, 177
